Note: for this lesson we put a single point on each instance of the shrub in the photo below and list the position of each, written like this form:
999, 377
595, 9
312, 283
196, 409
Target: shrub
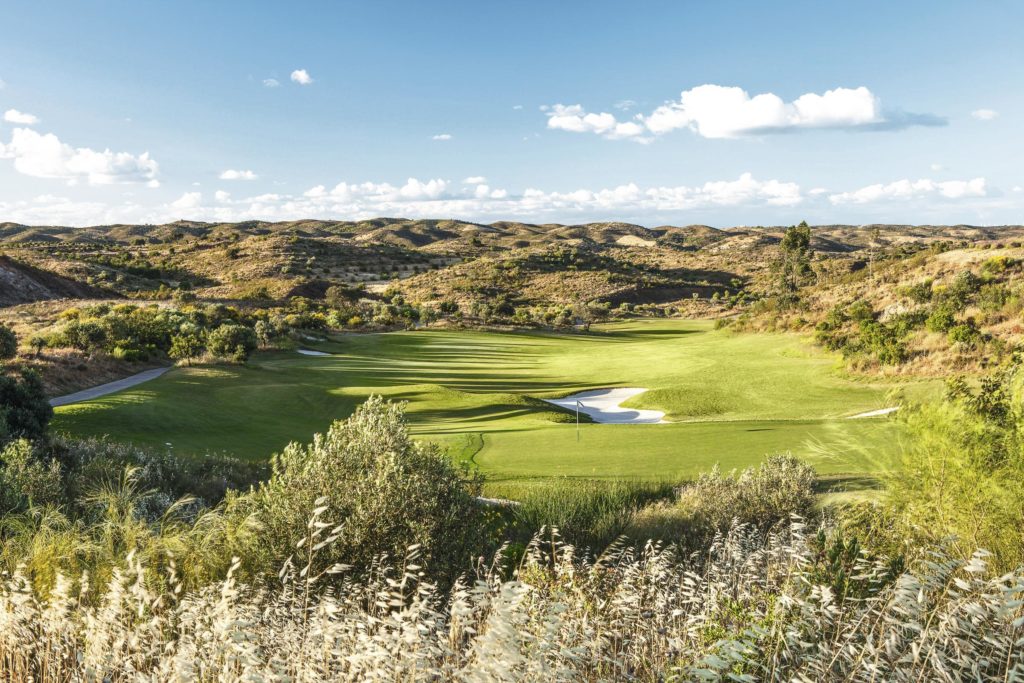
8, 343
961, 473
24, 409
232, 341
26, 480
942, 319
385, 491
780, 487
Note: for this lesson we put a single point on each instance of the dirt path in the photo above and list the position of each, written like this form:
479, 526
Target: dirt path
874, 413
108, 388
602, 405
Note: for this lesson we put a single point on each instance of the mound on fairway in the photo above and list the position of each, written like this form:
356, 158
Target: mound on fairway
732, 399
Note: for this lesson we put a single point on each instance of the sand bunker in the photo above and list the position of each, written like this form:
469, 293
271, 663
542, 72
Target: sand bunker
602, 405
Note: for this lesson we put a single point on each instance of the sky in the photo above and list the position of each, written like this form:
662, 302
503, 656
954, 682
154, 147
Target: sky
722, 113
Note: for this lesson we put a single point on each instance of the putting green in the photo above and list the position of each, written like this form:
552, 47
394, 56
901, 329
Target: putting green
734, 398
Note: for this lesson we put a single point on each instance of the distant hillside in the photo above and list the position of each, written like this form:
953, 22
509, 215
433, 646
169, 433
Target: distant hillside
439, 259
21, 283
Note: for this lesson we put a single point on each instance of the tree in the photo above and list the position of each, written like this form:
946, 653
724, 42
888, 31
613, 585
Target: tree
86, 336
8, 343
232, 341
24, 409
185, 346
386, 490
796, 255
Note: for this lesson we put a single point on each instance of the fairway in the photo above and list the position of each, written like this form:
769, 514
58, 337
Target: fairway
731, 399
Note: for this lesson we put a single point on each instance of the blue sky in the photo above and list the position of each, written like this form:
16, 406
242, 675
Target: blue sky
725, 113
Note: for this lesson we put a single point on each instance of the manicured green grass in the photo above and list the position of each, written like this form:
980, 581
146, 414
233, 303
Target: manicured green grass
734, 399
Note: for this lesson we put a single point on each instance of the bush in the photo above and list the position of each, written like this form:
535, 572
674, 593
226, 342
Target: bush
781, 486
8, 343
961, 473
383, 490
26, 480
24, 409
232, 341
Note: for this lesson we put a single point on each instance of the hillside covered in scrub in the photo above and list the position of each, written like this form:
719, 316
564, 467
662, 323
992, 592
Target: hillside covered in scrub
891, 298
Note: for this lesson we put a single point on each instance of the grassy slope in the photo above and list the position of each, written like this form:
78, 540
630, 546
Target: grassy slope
738, 397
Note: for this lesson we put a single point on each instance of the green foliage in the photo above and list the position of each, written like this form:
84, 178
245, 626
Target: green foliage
795, 266
780, 487
962, 472
232, 341
383, 490
966, 334
588, 514
185, 346
8, 343
26, 480
920, 293
24, 408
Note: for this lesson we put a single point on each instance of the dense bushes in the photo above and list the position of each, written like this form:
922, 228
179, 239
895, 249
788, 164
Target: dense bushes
384, 492
960, 480
24, 409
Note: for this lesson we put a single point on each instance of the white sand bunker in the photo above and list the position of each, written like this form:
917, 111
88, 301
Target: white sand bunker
310, 352
602, 405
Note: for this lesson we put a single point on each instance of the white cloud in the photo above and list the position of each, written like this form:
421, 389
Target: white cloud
517, 107
20, 117
984, 114
438, 197
189, 200
222, 196
45, 156
625, 105
442, 136
1018, 188
907, 190
3, 84
232, 174
574, 119
715, 111
474, 180
271, 82
302, 77
937, 167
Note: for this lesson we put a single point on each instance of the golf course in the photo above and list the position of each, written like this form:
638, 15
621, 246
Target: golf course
728, 399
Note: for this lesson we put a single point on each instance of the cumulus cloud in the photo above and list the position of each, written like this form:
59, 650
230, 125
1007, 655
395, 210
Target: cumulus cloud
189, 200
907, 190
271, 82
715, 111
474, 180
302, 77
45, 156
442, 136
438, 197
20, 117
232, 174
575, 119
984, 114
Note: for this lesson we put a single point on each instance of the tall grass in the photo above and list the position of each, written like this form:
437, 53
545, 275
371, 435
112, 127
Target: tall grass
588, 514
749, 609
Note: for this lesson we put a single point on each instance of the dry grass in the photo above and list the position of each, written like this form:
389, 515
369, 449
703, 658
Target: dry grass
751, 607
